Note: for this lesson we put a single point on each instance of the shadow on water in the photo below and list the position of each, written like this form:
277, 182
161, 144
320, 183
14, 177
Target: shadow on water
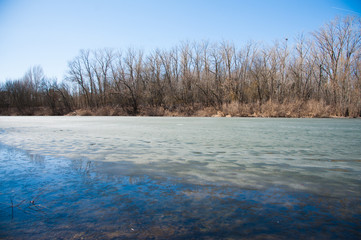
55, 198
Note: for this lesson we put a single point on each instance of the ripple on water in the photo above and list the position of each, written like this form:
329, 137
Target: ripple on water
44, 197
127, 178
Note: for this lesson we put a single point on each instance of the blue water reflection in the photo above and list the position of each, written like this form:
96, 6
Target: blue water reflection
57, 198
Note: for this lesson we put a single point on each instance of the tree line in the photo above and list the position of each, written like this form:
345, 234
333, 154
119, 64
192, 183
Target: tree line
321, 68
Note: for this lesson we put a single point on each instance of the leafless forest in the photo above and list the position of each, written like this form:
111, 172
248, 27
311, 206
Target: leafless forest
318, 75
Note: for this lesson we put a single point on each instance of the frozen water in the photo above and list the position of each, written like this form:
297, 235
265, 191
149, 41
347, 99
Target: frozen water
161, 178
318, 155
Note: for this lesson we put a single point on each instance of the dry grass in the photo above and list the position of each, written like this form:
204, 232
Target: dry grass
287, 109
152, 111
83, 112
206, 112
36, 111
102, 111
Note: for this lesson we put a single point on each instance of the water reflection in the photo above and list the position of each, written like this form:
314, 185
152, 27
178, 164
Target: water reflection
47, 198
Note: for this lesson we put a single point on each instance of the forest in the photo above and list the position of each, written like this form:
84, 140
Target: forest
317, 75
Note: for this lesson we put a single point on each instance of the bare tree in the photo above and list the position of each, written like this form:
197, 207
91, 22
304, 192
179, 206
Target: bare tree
76, 75
337, 43
322, 67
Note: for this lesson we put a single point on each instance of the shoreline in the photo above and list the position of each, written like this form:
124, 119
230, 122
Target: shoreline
227, 111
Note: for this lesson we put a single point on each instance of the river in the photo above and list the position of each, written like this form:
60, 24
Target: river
179, 178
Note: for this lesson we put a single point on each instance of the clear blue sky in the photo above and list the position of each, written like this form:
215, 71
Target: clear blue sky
51, 32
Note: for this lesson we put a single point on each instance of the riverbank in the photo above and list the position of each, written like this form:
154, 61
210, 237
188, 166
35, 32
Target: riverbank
297, 109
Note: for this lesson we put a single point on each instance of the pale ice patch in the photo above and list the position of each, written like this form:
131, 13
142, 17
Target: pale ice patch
250, 153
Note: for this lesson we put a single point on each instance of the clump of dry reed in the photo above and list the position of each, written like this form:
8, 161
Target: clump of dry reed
288, 109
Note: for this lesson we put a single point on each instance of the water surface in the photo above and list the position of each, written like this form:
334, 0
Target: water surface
134, 177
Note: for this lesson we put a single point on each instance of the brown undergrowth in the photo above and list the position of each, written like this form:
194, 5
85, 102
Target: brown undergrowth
296, 109
287, 109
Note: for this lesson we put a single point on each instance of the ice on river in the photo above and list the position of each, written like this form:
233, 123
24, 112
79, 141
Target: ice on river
317, 155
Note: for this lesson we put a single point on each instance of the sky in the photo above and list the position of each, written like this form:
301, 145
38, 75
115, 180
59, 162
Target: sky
50, 33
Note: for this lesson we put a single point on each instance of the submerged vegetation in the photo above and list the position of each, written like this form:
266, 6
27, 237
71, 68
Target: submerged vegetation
318, 76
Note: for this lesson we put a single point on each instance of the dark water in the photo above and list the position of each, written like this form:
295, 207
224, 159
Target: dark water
313, 196
47, 198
